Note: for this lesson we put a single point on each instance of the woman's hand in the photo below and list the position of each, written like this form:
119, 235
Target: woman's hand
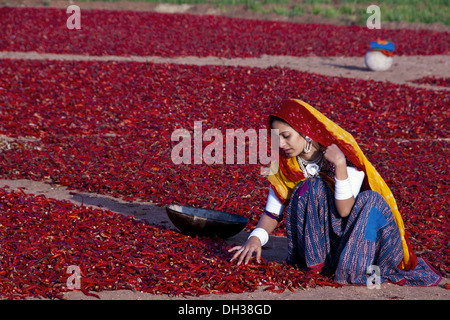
253, 244
245, 252
334, 155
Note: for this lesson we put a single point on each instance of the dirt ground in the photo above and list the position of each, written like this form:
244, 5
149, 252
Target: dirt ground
403, 71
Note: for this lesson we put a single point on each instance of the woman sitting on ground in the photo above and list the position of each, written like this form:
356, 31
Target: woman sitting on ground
341, 217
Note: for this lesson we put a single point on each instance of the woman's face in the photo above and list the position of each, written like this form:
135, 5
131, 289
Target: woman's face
291, 142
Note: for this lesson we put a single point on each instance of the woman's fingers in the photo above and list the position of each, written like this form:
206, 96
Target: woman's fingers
258, 255
234, 248
239, 251
256, 250
244, 253
248, 256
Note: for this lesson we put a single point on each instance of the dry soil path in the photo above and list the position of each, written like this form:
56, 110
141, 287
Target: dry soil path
403, 71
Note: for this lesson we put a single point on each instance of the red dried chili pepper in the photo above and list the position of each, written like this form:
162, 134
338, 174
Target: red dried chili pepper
274, 290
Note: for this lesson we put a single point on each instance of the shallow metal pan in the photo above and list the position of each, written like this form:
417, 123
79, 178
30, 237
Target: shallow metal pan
205, 222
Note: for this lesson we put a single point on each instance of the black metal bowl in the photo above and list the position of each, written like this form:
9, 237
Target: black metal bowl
205, 222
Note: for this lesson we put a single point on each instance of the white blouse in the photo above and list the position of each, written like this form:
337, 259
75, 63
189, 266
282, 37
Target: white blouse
356, 177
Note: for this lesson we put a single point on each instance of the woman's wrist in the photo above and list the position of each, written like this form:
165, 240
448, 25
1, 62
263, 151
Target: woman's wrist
261, 234
340, 162
340, 170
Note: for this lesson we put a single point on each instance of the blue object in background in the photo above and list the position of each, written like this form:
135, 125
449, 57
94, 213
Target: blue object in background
375, 45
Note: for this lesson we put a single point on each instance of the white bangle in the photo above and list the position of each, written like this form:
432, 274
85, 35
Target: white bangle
342, 189
261, 234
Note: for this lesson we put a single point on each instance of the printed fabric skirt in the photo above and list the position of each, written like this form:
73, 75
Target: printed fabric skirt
320, 240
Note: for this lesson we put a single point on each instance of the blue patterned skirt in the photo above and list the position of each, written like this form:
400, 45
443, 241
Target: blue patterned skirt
321, 240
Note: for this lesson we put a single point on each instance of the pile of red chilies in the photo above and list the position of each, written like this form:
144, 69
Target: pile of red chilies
158, 34
41, 237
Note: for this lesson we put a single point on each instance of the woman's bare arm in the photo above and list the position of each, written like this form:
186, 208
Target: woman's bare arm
337, 157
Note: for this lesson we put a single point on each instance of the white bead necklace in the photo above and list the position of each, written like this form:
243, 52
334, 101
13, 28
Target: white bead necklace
311, 168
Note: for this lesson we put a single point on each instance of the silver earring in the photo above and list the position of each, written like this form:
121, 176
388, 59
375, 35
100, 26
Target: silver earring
308, 145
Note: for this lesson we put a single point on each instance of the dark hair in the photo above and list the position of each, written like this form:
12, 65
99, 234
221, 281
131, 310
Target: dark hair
275, 118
